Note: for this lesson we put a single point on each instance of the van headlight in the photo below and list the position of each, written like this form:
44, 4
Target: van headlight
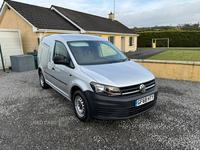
105, 89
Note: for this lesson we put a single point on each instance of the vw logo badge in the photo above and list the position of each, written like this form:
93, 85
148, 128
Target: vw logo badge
142, 88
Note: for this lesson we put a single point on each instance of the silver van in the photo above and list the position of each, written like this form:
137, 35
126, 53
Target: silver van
98, 78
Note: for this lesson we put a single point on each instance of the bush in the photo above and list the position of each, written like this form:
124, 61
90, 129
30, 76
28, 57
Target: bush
176, 38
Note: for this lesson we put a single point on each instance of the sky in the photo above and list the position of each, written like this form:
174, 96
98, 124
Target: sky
133, 13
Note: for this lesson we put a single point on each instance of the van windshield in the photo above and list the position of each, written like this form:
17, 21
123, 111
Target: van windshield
95, 52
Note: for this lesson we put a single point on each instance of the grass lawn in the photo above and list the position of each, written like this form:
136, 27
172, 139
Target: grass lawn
183, 55
170, 48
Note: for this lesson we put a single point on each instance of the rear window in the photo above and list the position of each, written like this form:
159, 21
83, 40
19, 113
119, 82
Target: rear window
79, 44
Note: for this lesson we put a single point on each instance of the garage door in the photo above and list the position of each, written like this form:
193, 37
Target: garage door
10, 41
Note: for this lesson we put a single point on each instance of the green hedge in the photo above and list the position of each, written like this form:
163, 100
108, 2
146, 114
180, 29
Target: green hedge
176, 38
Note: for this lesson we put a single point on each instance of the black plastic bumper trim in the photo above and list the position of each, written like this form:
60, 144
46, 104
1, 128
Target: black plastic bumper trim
118, 107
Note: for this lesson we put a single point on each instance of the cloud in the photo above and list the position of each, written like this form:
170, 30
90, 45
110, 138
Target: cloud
163, 14
134, 12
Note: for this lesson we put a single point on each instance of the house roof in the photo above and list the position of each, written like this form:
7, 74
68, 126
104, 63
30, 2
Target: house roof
66, 19
90, 22
42, 18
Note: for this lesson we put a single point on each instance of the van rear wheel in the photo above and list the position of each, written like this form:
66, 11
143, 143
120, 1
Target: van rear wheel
43, 84
81, 107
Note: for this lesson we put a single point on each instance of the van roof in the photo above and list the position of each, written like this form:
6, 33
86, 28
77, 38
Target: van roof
75, 37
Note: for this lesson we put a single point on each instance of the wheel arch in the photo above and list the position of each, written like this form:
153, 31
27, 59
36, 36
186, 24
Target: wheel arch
39, 69
74, 89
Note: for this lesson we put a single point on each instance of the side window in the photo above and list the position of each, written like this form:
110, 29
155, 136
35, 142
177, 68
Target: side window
107, 50
60, 49
111, 39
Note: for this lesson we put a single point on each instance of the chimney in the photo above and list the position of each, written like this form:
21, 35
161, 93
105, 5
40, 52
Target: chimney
111, 16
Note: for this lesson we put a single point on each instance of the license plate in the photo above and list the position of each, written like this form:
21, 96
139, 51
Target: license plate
144, 100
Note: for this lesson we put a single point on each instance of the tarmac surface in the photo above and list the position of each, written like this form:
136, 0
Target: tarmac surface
33, 118
146, 53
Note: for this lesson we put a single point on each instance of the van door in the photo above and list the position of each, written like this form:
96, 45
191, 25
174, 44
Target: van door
60, 74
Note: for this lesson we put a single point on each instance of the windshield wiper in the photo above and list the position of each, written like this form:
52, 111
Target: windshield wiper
125, 59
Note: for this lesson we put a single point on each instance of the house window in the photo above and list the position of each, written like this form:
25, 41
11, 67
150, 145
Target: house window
111, 39
131, 41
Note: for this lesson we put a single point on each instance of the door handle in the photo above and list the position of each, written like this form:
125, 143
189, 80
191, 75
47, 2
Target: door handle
69, 74
53, 68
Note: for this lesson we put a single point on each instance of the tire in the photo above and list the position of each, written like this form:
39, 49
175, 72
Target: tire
81, 107
43, 84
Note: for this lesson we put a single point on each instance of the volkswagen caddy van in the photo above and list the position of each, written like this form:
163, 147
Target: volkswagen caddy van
97, 77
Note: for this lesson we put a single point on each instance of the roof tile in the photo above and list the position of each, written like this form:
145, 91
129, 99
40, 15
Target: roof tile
45, 18
41, 17
90, 22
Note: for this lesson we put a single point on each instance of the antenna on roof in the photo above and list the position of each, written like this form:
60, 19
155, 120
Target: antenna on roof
114, 8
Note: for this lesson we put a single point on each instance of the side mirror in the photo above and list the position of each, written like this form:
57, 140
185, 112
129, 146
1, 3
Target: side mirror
60, 60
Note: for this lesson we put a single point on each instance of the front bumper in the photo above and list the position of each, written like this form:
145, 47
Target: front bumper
118, 107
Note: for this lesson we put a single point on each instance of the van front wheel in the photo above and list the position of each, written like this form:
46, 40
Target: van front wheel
81, 107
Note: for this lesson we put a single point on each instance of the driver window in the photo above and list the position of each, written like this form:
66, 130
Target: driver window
60, 49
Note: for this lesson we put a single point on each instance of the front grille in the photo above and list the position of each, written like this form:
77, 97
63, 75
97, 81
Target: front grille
108, 111
135, 88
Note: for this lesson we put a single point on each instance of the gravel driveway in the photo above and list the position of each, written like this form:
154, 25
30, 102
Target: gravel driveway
32, 118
